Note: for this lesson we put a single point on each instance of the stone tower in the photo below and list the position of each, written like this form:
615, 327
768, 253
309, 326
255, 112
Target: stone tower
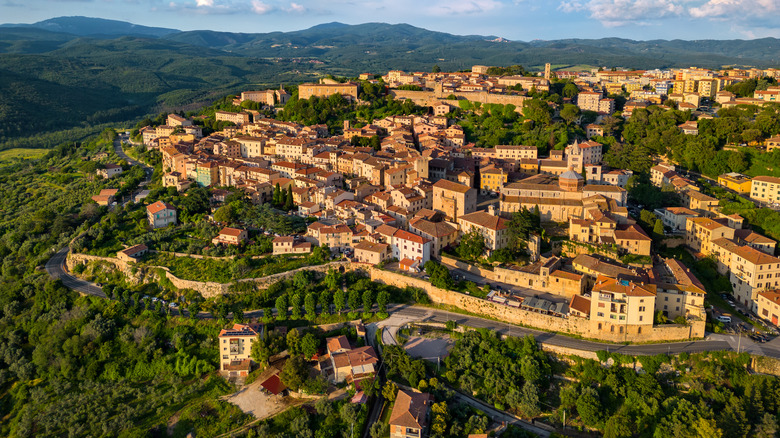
547, 71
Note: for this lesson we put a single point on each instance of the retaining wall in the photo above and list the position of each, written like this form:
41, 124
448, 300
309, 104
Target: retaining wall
513, 315
468, 267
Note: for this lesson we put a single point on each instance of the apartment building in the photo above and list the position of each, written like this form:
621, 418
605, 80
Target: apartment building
507, 152
489, 225
765, 189
237, 118
235, 347
735, 181
615, 304
700, 232
441, 234
678, 291
752, 271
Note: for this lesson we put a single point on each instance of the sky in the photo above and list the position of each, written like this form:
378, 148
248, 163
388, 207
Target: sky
523, 20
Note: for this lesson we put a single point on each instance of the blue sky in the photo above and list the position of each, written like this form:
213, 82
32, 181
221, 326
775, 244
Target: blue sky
512, 19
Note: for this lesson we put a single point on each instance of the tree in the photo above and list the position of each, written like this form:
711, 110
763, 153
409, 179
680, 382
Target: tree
310, 303
522, 224
589, 406
225, 214
439, 275
294, 373
382, 298
277, 198
529, 400
332, 279
389, 391
295, 303
436, 69
293, 342
281, 307
658, 230
368, 300
288, 201
338, 300
472, 245
309, 344
569, 113
353, 300
767, 428
325, 303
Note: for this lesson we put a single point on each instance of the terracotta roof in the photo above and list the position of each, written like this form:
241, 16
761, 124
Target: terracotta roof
405, 235
158, 207
274, 385
566, 275
231, 231
755, 256
411, 409
435, 229
452, 186
337, 343
134, 250
580, 304
485, 220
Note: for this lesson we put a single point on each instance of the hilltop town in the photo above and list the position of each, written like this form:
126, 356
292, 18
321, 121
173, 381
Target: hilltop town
613, 206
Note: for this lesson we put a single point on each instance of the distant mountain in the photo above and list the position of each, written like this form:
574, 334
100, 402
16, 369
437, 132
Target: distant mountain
100, 27
80, 72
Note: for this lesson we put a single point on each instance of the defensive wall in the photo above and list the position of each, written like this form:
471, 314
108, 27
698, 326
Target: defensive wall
572, 325
429, 98
468, 267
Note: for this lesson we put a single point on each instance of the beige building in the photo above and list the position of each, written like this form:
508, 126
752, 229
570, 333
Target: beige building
130, 255
235, 348
492, 227
349, 90
679, 292
237, 118
372, 253
751, 272
441, 234
765, 189
290, 245
615, 304
337, 237
454, 199
544, 275
768, 304
230, 236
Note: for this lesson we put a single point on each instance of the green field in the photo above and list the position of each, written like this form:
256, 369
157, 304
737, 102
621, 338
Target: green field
7, 156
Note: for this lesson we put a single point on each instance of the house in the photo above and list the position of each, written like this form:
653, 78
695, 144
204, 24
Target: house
230, 236
110, 171
768, 304
161, 214
105, 197
765, 189
411, 250
772, 143
235, 347
615, 304
129, 255
348, 364
489, 225
290, 245
675, 217
441, 234
409, 417
371, 253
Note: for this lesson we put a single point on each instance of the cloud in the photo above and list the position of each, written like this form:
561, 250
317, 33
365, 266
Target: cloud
261, 8
739, 9
205, 3
464, 7
613, 13
295, 7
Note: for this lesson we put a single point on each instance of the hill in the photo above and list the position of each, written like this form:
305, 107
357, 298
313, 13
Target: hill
80, 72
87, 26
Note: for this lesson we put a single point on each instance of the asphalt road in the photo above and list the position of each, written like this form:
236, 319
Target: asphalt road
55, 267
712, 343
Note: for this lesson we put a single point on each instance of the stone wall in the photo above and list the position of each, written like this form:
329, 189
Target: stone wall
138, 273
428, 98
463, 266
512, 315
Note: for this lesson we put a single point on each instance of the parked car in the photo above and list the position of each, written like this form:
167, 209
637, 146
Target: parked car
724, 319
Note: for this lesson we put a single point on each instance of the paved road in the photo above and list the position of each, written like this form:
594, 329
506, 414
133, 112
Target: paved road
132, 161
712, 343
55, 267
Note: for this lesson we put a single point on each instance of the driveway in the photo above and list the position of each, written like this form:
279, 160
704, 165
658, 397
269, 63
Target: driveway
252, 400
429, 348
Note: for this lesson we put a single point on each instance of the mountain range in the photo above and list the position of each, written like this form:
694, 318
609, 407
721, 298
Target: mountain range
82, 71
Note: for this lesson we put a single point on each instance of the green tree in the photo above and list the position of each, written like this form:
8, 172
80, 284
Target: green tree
529, 400
309, 344
353, 300
293, 342
589, 407
332, 279
288, 201
281, 307
295, 303
294, 373
310, 303
658, 230
339, 299
382, 298
472, 245
368, 300
389, 391
570, 113
436, 69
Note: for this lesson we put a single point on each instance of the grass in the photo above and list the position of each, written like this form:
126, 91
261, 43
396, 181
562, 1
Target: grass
10, 155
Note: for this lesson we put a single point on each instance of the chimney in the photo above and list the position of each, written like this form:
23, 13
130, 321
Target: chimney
492, 209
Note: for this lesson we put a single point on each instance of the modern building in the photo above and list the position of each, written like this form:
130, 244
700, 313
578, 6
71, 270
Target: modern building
235, 347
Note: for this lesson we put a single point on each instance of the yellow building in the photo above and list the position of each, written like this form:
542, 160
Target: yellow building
769, 306
615, 304
493, 180
735, 181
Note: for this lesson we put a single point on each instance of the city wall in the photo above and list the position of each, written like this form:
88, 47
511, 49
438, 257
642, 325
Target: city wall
429, 98
513, 315
468, 267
